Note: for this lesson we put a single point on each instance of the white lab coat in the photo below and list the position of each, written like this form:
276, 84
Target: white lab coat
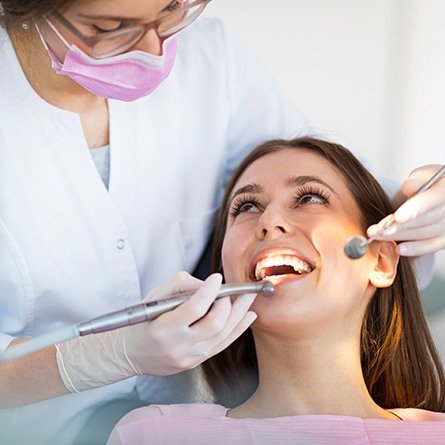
71, 250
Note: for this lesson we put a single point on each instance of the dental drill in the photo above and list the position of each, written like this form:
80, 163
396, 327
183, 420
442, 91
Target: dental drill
357, 246
132, 315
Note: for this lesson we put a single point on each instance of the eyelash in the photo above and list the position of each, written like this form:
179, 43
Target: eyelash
102, 31
239, 202
173, 6
312, 190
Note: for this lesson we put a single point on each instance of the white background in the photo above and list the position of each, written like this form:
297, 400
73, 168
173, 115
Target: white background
369, 74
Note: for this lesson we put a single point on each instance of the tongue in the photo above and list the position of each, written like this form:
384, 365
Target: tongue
279, 270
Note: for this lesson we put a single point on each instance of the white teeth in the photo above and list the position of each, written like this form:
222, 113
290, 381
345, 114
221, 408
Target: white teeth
281, 260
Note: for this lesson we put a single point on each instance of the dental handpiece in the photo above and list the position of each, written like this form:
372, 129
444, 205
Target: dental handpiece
149, 311
129, 316
357, 246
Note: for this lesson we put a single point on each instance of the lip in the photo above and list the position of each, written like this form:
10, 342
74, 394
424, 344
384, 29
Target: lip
273, 251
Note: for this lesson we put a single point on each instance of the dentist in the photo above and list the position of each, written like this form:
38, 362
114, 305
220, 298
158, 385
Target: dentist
118, 129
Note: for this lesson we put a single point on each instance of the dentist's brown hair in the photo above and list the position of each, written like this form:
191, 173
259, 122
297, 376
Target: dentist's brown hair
400, 363
14, 12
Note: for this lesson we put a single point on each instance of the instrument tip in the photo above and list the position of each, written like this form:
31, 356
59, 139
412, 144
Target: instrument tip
356, 247
267, 288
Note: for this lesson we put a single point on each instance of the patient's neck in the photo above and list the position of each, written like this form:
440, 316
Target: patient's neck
309, 377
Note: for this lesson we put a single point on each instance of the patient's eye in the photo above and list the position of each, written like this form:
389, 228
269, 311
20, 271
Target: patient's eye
311, 195
244, 204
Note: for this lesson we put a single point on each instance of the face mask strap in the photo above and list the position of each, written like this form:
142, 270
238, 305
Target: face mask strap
41, 36
56, 64
56, 31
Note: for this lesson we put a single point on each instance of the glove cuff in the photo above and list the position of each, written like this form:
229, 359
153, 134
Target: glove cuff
94, 360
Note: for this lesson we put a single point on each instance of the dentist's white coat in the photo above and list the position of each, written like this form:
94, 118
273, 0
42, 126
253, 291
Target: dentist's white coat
71, 250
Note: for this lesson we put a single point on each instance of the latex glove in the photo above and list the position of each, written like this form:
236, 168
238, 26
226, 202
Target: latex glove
175, 341
183, 338
420, 222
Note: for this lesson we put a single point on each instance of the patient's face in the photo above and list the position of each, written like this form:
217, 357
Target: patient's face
290, 215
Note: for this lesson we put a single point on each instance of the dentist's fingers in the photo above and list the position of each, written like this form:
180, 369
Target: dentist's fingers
422, 204
180, 282
415, 241
418, 177
199, 304
420, 221
242, 326
241, 320
436, 215
172, 327
214, 321
190, 346
372, 230
397, 232
215, 328
413, 213
418, 248
183, 338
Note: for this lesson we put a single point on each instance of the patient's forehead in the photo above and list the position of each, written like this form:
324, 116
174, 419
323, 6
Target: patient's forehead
277, 167
274, 171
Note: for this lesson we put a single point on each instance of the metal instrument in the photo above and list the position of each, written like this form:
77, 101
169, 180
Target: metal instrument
357, 246
138, 313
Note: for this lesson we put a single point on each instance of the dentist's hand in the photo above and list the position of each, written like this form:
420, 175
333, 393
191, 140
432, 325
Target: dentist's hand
420, 222
196, 330
175, 341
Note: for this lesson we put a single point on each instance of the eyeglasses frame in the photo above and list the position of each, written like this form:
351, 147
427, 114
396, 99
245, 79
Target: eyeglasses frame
90, 42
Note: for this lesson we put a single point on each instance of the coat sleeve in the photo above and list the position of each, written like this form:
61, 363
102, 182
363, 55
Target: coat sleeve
15, 287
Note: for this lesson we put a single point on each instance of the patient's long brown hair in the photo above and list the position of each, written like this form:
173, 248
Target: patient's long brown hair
400, 363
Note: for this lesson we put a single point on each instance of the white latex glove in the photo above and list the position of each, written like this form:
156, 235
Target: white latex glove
420, 222
183, 338
176, 341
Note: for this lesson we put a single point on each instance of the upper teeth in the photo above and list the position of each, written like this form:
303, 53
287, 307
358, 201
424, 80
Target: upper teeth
280, 260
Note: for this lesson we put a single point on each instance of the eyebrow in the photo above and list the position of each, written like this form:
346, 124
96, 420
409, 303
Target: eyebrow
250, 188
115, 17
294, 181
298, 181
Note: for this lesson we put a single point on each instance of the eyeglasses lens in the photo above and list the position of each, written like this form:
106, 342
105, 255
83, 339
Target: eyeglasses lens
177, 21
120, 42
116, 44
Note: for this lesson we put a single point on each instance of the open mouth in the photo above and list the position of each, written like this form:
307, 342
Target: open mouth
276, 268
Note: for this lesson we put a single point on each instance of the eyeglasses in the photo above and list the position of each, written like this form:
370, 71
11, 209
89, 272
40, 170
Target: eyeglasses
111, 43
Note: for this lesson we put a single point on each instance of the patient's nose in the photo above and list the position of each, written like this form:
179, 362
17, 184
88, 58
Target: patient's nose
273, 224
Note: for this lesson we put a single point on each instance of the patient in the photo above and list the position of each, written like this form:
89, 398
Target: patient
342, 352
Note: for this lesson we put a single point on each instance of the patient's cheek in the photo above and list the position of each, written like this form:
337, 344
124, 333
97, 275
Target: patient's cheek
339, 272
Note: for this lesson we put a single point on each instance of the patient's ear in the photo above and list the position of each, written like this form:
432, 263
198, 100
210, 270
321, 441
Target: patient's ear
386, 260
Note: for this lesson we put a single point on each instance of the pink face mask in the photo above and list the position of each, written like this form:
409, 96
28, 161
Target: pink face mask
128, 76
